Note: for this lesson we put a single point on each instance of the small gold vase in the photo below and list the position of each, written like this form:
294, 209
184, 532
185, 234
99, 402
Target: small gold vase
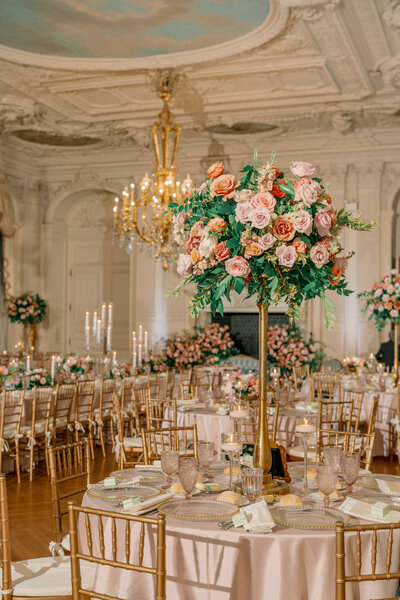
30, 337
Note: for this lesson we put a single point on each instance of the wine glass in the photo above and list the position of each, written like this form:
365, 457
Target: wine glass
231, 444
332, 455
205, 452
188, 473
350, 465
327, 480
252, 479
169, 464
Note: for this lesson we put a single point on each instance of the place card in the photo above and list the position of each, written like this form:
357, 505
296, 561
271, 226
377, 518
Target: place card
130, 502
109, 482
380, 509
239, 519
362, 510
157, 463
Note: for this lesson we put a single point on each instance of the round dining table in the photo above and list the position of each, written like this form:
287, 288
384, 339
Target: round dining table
206, 562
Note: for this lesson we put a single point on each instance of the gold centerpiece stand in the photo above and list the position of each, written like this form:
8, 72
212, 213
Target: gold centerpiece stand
396, 356
262, 450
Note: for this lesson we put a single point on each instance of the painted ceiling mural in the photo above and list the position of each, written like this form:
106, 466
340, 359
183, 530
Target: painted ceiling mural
125, 28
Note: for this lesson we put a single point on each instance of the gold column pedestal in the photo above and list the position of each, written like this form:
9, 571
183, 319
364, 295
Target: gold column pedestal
262, 451
396, 356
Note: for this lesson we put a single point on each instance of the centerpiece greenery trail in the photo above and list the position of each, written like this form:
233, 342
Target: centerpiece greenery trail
382, 302
274, 236
27, 308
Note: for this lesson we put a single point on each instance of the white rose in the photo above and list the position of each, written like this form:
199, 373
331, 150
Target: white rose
243, 195
207, 246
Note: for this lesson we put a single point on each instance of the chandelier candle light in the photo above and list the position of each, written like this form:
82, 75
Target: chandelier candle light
144, 219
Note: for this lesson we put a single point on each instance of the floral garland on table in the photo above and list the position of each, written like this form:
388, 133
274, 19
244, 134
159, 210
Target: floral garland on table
5, 370
287, 348
74, 368
27, 308
274, 236
210, 344
382, 301
352, 362
37, 378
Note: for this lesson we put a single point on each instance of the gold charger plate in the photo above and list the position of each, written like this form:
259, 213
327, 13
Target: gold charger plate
198, 509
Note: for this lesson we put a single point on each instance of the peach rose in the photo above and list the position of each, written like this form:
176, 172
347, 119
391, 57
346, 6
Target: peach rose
243, 195
253, 249
284, 229
215, 170
319, 254
337, 273
224, 185
300, 246
264, 199
197, 229
341, 263
216, 225
287, 255
184, 265
306, 191
191, 242
396, 305
221, 252
237, 267
277, 192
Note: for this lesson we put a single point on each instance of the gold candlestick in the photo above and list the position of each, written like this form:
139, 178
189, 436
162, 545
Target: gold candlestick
396, 356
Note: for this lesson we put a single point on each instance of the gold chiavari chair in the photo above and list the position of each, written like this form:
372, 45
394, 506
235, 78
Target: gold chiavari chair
342, 577
121, 546
184, 383
169, 385
336, 415
45, 577
128, 383
299, 374
63, 410
38, 434
105, 413
154, 382
349, 441
83, 412
70, 470
10, 427
140, 396
357, 398
182, 439
326, 384
372, 415
160, 413
132, 445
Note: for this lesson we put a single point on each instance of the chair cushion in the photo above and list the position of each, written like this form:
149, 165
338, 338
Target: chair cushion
39, 427
48, 576
61, 421
106, 413
133, 442
298, 452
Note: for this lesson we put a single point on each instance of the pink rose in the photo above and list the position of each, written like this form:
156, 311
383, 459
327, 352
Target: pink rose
184, 266
191, 243
287, 255
224, 185
300, 246
323, 223
302, 221
197, 229
266, 241
302, 169
260, 217
264, 199
394, 313
243, 212
237, 266
306, 191
215, 170
319, 254
221, 252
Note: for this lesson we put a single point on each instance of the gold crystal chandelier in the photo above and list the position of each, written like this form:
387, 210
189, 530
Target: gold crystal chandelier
141, 217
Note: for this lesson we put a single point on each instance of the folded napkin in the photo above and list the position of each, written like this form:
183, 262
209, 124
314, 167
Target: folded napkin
187, 407
149, 504
388, 486
305, 407
149, 468
187, 402
255, 518
362, 510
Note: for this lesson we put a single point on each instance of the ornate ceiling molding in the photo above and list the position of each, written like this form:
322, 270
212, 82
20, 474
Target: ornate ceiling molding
272, 27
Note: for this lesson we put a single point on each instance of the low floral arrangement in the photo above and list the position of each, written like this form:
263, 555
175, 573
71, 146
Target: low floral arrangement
287, 348
353, 362
273, 235
210, 344
27, 308
244, 384
74, 368
5, 370
121, 371
382, 301
31, 378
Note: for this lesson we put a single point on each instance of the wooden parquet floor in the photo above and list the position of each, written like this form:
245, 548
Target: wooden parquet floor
30, 506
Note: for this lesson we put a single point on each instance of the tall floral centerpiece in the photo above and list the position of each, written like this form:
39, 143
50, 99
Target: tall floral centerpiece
272, 235
382, 304
28, 309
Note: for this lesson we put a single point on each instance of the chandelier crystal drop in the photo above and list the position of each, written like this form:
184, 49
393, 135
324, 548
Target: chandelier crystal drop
141, 217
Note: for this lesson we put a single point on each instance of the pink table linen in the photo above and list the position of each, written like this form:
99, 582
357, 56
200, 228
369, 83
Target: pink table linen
204, 562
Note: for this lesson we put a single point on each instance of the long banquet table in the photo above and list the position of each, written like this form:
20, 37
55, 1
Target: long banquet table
204, 562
